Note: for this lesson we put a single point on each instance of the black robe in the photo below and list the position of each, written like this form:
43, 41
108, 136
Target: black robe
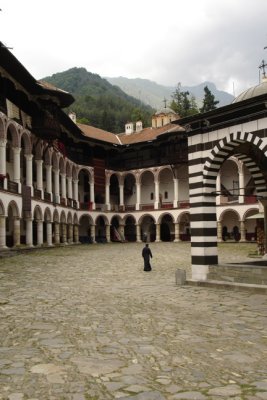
146, 254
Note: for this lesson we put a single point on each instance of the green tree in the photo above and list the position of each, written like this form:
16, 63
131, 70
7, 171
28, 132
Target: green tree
209, 102
183, 103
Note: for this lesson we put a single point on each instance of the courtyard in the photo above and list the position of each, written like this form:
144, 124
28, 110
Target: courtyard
86, 322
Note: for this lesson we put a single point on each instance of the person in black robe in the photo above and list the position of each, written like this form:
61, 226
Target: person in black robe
146, 254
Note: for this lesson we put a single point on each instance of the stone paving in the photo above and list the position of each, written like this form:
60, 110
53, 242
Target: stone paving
86, 322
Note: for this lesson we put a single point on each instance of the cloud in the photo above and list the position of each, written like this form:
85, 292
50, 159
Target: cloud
168, 42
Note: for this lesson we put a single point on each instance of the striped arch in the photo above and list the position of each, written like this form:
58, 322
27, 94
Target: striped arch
224, 149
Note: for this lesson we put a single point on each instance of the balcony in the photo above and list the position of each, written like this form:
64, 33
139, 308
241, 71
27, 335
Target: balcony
12, 187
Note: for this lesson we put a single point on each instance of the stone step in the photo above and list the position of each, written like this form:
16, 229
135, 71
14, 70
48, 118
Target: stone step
250, 274
261, 289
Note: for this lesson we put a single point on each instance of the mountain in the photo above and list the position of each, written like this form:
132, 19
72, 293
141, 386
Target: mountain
152, 93
98, 102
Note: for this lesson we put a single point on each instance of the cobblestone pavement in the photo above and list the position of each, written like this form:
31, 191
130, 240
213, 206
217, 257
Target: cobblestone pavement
86, 322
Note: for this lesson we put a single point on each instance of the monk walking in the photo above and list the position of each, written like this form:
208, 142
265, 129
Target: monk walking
146, 254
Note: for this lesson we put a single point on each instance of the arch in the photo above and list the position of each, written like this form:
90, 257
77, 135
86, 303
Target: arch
62, 217
148, 228
15, 208
161, 216
167, 229
55, 216
62, 165
85, 231
11, 129
129, 228
2, 208
47, 215
144, 216
227, 211
26, 140
224, 149
69, 218
3, 121
37, 213
75, 219
69, 168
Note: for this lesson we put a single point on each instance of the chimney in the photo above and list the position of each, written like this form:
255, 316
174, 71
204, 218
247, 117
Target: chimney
139, 126
129, 128
72, 116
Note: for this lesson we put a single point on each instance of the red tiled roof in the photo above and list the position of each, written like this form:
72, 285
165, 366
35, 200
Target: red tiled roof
145, 135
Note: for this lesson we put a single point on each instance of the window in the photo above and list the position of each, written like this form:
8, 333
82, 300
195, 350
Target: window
152, 196
165, 195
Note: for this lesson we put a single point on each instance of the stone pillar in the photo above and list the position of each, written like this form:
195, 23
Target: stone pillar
16, 165
93, 233
28, 158
158, 233
121, 231
76, 234
177, 232
39, 175
63, 186
64, 233
75, 190
70, 233
56, 197
40, 238
3, 161
48, 171
107, 197
16, 231
49, 233
241, 198
176, 193
121, 195
242, 232
57, 234
69, 182
2, 232
138, 195
219, 231
156, 203
92, 193
29, 236
138, 233
108, 233
3, 156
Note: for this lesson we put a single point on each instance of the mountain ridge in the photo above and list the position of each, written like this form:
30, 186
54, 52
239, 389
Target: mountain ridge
153, 94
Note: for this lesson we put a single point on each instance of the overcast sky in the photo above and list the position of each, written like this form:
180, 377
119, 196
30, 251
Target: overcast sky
166, 41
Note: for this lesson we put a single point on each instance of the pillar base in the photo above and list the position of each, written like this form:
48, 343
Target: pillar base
199, 272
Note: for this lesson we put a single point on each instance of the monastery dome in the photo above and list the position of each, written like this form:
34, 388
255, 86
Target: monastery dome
164, 110
253, 91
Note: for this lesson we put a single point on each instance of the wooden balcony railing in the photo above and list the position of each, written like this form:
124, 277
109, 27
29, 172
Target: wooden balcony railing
12, 187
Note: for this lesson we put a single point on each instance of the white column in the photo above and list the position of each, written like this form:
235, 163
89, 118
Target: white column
69, 184
156, 203
56, 186
108, 233
177, 232
76, 234
40, 239
28, 158
241, 198
176, 193
75, 191
158, 233
121, 195
29, 241
242, 231
16, 165
3, 157
219, 231
56, 232
63, 186
138, 233
39, 174
107, 197
16, 231
48, 170
49, 233
2, 232
138, 195
70, 233
93, 233
92, 193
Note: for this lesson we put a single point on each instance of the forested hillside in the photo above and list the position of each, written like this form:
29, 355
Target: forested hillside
99, 103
